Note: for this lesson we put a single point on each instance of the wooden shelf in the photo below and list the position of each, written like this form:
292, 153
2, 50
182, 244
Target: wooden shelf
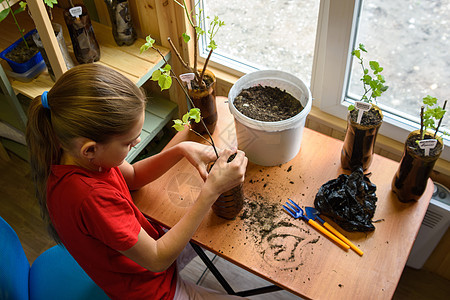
125, 59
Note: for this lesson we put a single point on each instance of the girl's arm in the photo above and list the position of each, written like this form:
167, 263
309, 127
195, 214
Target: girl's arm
158, 255
151, 168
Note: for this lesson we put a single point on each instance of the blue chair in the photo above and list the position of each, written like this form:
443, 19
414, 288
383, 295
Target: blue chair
53, 275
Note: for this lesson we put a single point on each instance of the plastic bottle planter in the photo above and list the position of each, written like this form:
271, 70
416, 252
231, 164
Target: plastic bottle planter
57, 28
85, 45
205, 100
270, 143
25, 71
122, 25
230, 203
359, 142
411, 178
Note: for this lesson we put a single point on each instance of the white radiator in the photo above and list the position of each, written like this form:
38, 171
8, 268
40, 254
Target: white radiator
434, 226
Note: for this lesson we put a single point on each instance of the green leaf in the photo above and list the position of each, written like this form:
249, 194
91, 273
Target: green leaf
186, 37
167, 68
374, 66
199, 30
156, 74
149, 40
3, 14
356, 53
362, 47
19, 10
186, 118
194, 114
179, 126
351, 107
165, 82
50, 3
212, 45
22, 4
439, 113
430, 101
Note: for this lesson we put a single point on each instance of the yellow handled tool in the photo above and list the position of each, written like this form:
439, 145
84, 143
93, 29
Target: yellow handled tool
343, 238
294, 210
314, 214
328, 234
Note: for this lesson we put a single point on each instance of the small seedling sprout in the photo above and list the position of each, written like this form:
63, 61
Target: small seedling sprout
373, 84
429, 116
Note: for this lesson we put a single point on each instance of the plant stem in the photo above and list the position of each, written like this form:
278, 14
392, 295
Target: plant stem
190, 100
204, 67
17, 24
440, 120
364, 84
178, 55
421, 122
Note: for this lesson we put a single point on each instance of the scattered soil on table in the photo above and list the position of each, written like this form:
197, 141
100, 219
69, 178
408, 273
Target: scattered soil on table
21, 53
265, 103
281, 242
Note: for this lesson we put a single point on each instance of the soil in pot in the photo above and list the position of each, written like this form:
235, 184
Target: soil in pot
415, 168
268, 104
230, 203
21, 53
359, 142
205, 100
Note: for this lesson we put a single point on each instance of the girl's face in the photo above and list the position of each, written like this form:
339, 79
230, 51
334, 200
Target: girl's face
113, 153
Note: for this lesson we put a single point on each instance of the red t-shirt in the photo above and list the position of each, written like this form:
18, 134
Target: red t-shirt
95, 217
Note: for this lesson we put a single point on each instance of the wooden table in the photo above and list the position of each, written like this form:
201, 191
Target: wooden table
289, 252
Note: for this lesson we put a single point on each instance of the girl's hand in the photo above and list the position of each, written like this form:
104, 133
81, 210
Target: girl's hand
199, 156
226, 175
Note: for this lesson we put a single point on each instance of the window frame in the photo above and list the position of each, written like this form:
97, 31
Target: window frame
336, 33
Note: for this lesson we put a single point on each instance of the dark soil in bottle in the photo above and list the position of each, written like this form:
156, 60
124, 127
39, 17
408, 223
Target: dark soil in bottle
371, 117
359, 141
205, 100
84, 42
230, 203
21, 54
411, 178
265, 103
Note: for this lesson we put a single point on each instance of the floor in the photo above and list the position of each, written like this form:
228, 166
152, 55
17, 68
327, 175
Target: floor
19, 208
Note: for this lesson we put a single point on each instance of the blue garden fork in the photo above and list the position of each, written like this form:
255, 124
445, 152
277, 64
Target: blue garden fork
297, 212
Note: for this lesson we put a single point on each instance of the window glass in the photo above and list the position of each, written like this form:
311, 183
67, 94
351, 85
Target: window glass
411, 41
268, 34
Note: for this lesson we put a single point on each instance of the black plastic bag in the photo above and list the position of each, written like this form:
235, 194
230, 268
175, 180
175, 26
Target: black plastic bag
348, 200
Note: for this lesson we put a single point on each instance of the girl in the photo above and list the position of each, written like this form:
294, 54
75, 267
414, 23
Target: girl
79, 134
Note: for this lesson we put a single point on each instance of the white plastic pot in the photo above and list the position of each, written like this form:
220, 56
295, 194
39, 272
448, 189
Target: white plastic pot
270, 143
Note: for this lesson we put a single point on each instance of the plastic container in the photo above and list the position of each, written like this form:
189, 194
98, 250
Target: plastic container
57, 28
22, 67
30, 74
270, 143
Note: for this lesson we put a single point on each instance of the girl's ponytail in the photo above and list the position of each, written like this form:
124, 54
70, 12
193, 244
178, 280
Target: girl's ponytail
90, 101
44, 151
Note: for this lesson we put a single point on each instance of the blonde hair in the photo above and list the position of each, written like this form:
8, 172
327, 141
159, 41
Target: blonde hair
89, 100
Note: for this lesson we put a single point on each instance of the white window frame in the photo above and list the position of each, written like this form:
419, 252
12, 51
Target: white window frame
337, 23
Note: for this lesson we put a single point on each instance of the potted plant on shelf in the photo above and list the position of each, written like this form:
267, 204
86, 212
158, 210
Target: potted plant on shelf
422, 149
57, 28
200, 84
230, 203
364, 118
22, 56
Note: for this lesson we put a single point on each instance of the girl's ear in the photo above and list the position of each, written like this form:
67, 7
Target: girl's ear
88, 149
